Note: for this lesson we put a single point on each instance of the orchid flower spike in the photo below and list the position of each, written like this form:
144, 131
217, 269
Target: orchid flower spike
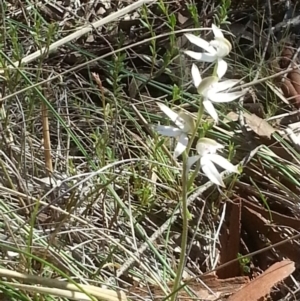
214, 91
216, 49
184, 125
206, 149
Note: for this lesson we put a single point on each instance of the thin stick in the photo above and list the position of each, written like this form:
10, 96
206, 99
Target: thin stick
47, 142
100, 293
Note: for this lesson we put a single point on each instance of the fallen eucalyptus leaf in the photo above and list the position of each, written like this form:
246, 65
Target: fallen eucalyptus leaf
259, 126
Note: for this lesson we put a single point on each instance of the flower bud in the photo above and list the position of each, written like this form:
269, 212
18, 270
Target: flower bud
188, 123
206, 83
222, 45
207, 146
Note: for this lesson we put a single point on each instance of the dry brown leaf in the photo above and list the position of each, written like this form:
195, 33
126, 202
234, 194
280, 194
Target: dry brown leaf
231, 116
259, 125
262, 285
181, 19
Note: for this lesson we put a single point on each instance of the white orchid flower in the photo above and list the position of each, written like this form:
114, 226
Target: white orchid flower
216, 49
206, 149
214, 91
184, 125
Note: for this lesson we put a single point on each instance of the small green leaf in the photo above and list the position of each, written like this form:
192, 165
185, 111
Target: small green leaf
160, 143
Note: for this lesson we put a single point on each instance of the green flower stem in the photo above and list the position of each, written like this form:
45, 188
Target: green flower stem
186, 183
215, 70
185, 226
198, 123
194, 174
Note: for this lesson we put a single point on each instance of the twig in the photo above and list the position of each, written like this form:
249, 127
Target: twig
47, 142
291, 22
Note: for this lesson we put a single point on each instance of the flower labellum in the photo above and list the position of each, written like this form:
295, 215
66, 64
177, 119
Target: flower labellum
206, 149
214, 91
184, 125
216, 49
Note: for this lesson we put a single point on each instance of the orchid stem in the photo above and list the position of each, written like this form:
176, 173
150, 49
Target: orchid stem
185, 225
198, 123
215, 73
185, 212
194, 174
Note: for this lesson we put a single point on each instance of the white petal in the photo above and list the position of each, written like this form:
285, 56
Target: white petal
196, 75
191, 161
211, 172
224, 85
200, 43
209, 107
170, 113
169, 131
217, 31
221, 161
224, 97
200, 56
221, 68
181, 145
